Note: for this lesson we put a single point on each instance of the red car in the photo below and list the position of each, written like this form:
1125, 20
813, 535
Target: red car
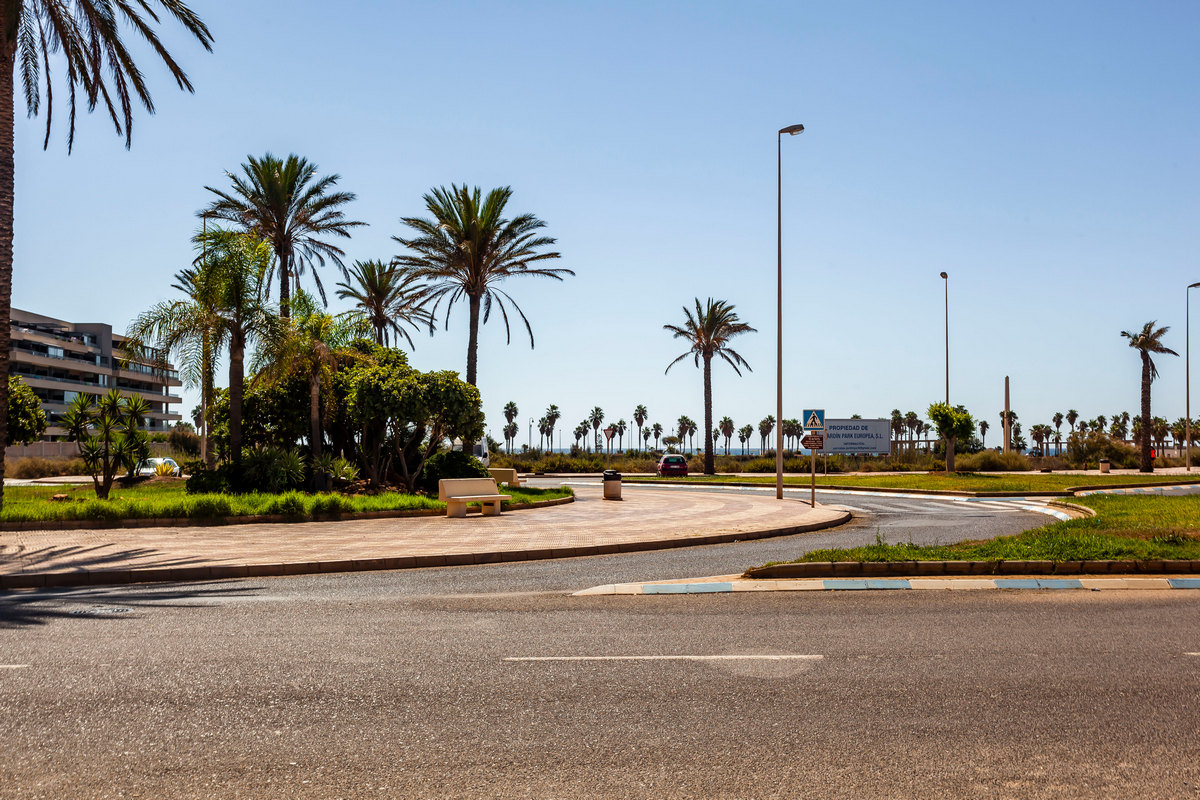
672, 465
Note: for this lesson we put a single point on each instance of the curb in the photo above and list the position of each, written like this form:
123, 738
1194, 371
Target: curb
35, 580
717, 586
1069, 491
874, 569
215, 522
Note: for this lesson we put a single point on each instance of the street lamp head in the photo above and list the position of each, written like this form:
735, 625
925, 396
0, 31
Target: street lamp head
944, 275
1194, 285
792, 130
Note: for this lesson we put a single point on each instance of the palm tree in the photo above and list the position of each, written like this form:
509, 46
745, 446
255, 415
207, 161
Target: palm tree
682, 426
1146, 341
897, 426
1100, 423
1057, 419
911, 421
231, 279
983, 429
595, 417
645, 438
312, 344
1072, 415
192, 330
727, 428
553, 415
708, 334
386, 295
765, 426
99, 67
511, 430
468, 248
284, 203
657, 429
621, 428
639, 417
510, 414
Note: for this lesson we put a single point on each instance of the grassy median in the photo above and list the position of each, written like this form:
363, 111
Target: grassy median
167, 500
965, 482
1130, 527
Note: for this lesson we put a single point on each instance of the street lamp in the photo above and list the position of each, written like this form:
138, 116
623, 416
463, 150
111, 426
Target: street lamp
790, 130
946, 280
530, 445
1187, 372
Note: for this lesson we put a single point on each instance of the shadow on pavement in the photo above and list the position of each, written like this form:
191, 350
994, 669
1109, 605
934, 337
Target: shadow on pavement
94, 603
16, 559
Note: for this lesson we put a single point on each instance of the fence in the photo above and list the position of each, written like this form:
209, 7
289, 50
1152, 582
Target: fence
65, 450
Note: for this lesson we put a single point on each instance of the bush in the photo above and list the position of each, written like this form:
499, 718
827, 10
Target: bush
203, 480
34, 467
184, 441
991, 461
1085, 449
450, 464
271, 470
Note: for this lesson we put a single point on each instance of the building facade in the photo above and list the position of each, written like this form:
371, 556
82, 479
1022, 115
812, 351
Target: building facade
60, 359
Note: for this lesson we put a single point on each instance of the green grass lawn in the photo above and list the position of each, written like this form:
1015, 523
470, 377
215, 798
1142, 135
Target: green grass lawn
1125, 527
168, 499
968, 482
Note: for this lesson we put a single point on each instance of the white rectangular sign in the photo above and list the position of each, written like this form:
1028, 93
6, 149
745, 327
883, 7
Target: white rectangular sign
858, 436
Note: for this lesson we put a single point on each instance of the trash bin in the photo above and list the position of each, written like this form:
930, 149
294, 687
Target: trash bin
1104, 465
612, 484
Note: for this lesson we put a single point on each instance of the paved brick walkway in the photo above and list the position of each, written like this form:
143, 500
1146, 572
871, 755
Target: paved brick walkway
643, 520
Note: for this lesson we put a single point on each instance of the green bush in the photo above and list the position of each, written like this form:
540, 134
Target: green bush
449, 464
34, 467
991, 461
290, 504
203, 480
271, 470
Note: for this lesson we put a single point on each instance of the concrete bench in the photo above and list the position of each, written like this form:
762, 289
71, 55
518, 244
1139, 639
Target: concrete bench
457, 492
504, 475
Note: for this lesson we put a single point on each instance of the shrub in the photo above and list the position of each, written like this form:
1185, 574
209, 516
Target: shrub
208, 481
991, 461
272, 470
449, 464
184, 441
289, 504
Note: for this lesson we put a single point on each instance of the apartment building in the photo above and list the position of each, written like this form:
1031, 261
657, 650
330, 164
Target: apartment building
60, 359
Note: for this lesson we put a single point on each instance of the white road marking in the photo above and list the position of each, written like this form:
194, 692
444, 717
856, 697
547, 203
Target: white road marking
1192, 654
13, 666
669, 658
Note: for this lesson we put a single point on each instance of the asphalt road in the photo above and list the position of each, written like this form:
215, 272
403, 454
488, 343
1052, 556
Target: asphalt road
400, 684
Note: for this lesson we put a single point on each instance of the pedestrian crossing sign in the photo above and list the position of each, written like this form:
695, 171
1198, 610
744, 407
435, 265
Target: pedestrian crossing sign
814, 419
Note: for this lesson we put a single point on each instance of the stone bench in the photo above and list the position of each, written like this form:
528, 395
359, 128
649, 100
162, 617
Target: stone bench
504, 475
457, 492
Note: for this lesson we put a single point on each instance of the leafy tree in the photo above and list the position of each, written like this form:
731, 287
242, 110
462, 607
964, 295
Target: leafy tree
281, 201
26, 419
386, 295
99, 68
1146, 341
312, 344
468, 248
708, 333
952, 424
108, 433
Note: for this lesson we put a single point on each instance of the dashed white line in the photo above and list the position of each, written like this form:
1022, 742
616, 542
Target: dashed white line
670, 658
13, 666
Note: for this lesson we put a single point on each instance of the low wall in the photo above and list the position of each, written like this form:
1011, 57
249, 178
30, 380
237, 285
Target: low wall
65, 450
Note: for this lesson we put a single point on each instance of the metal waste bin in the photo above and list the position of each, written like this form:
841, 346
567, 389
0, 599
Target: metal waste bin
1104, 465
612, 484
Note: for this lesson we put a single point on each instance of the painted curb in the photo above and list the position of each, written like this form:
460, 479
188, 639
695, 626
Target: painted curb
874, 569
700, 586
40, 580
1070, 491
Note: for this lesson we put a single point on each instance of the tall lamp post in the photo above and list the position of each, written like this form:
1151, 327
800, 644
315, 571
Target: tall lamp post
1187, 372
790, 130
946, 280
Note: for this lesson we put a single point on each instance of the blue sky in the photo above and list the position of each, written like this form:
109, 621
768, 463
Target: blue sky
1045, 155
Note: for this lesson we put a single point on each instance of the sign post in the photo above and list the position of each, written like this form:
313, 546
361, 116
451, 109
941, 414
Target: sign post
814, 426
609, 433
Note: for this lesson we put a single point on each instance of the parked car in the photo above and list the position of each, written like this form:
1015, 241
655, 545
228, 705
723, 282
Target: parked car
672, 465
150, 467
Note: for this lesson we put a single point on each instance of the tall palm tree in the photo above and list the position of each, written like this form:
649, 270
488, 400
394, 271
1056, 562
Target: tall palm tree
595, 417
99, 67
744, 433
727, 428
510, 414
553, 415
765, 426
1057, 419
1146, 341
983, 429
1072, 415
708, 333
191, 329
510, 433
657, 429
284, 202
233, 273
311, 344
621, 428
897, 426
386, 295
468, 248
639, 418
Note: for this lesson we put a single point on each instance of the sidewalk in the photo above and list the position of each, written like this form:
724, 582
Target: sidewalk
649, 520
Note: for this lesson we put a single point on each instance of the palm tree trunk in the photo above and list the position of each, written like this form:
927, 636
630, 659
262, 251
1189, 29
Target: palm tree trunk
709, 467
206, 397
1147, 430
473, 340
237, 372
7, 187
285, 287
314, 416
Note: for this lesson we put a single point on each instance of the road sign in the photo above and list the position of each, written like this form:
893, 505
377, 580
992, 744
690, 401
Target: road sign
814, 441
814, 419
610, 432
